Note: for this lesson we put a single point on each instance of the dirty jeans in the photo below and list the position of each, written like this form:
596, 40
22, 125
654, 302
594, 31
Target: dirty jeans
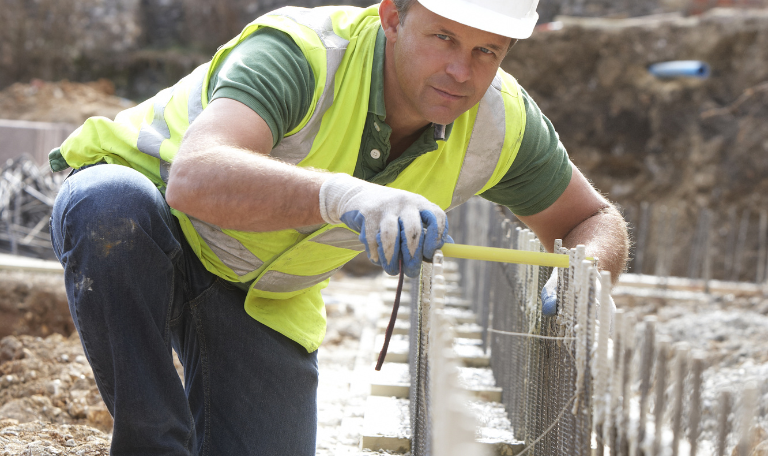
136, 290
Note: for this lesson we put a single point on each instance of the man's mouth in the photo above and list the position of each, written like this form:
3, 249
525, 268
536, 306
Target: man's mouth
447, 94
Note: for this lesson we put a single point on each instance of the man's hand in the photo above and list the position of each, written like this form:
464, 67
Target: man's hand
582, 216
549, 297
391, 222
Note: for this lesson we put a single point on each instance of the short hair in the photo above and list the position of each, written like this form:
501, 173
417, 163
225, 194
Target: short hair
402, 8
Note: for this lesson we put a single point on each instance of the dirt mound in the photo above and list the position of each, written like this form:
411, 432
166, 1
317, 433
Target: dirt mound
642, 138
33, 304
64, 101
683, 143
49, 379
46, 438
49, 402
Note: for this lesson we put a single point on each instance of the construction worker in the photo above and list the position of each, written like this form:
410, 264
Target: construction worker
313, 135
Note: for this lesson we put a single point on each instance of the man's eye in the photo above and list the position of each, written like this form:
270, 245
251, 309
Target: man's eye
485, 51
443, 37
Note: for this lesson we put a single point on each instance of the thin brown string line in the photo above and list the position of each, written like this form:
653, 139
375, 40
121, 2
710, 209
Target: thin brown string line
392, 319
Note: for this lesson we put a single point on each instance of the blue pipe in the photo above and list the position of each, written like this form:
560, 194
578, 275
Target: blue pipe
680, 69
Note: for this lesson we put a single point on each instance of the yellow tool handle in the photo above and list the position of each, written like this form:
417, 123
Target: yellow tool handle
473, 252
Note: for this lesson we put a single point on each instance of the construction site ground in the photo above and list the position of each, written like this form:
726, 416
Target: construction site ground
49, 403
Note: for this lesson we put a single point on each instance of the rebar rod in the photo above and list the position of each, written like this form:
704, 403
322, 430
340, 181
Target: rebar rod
747, 414
723, 423
660, 239
738, 255
697, 252
626, 380
642, 237
730, 243
614, 410
762, 250
694, 416
681, 360
662, 353
646, 366
602, 369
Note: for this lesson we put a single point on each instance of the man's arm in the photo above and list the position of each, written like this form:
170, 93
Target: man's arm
222, 174
582, 216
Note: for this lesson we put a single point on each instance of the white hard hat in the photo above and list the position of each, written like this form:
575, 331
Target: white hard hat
510, 18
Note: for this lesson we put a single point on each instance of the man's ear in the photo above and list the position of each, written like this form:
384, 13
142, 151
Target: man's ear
390, 19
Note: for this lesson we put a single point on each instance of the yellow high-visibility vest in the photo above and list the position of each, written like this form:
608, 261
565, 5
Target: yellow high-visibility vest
290, 267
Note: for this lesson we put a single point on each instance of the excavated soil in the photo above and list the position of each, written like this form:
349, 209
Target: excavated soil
682, 143
61, 102
33, 305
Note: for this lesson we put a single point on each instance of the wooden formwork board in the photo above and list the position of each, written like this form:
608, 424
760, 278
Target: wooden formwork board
21, 263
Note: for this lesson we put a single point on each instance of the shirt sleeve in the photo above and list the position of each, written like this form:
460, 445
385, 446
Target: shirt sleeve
541, 170
268, 73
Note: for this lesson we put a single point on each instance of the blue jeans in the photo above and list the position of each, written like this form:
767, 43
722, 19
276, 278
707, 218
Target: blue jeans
136, 290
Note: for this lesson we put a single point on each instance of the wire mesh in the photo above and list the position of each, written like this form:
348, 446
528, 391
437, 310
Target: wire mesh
668, 241
418, 359
567, 391
537, 374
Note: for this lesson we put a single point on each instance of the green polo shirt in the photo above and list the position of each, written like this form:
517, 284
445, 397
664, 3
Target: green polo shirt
268, 73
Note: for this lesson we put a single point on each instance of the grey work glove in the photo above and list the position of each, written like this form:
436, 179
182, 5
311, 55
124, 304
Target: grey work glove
549, 296
391, 222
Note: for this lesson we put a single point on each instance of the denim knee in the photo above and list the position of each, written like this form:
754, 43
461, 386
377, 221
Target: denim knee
108, 205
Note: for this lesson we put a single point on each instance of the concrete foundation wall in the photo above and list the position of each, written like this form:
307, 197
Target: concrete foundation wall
35, 139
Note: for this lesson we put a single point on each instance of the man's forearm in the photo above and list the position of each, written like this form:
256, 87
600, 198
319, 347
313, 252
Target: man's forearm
222, 174
605, 236
242, 190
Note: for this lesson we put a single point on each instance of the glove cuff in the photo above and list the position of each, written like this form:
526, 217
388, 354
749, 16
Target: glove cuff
333, 193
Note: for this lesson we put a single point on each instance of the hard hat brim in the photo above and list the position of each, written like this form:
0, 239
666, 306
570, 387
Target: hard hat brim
481, 18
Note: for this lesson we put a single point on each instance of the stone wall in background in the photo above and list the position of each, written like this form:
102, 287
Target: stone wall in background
678, 142
143, 45
58, 39
684, 143
549, 9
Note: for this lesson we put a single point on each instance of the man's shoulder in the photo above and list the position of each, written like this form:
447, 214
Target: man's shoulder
506, 83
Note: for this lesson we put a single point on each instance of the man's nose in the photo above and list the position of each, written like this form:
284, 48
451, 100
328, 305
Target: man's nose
459, 68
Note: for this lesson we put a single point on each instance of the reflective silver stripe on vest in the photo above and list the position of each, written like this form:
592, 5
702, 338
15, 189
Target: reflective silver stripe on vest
309, 229
165, 170
340, 237
296, 147
195, 101
280, 282
229, 250
151, 136
485, 145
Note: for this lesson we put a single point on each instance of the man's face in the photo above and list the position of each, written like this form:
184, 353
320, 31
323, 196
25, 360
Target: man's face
442, 68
